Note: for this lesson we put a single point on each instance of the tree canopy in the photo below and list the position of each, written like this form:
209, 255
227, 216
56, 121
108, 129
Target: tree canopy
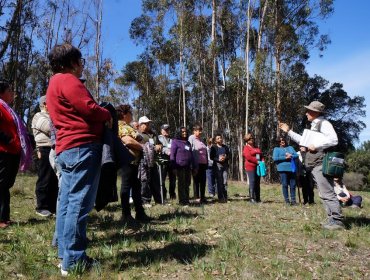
232, 66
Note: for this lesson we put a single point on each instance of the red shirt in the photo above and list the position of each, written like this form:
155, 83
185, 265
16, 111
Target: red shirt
8, 127
77, 118
250, 157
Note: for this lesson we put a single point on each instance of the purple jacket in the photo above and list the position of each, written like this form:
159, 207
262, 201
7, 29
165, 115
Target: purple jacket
181, 154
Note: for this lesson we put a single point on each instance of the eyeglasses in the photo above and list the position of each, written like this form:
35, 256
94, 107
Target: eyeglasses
82, 61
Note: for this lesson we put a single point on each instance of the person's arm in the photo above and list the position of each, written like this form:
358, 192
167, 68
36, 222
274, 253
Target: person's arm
330, 135
43, 125
250, 158
131, 143
173, 154
213, 155
81, 100
277, 156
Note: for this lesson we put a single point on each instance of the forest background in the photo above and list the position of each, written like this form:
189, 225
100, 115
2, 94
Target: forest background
232, 66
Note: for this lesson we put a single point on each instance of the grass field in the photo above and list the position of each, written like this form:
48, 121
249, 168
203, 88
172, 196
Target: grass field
236, 240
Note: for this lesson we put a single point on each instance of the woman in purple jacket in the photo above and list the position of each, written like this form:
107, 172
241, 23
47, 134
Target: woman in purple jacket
181, 159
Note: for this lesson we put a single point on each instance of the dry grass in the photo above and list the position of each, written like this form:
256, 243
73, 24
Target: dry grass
236, 240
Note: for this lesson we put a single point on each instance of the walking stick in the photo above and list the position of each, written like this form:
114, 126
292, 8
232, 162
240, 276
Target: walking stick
160, 181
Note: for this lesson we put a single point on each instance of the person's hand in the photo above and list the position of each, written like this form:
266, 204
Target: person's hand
288, 156
284, 127
158, 148
311, 148
303, 149
109, 123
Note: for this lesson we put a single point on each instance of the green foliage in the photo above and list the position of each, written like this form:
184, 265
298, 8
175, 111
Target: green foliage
358, 161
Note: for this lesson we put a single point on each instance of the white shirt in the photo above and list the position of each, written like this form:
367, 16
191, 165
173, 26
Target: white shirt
326, 129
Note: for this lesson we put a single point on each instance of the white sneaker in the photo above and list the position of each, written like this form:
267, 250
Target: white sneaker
64, 272
131, 200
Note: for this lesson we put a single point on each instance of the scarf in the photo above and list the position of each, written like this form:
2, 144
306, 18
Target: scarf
26, 152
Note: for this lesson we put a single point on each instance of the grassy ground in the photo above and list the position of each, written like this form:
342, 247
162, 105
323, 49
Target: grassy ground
236, 240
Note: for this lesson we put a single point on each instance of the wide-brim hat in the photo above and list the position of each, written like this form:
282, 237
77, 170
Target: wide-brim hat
144, 119
316, 106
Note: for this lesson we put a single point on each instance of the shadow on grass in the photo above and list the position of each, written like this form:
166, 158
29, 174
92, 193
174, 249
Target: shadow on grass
113, 207
182, 252
176, 214
32, 222
137, 233
357, 221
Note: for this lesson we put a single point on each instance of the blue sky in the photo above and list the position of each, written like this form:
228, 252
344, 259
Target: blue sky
346, 60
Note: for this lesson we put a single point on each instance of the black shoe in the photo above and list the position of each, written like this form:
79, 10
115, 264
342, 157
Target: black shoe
128, 220
142, 217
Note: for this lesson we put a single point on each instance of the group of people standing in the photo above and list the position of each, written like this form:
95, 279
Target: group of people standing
70, 129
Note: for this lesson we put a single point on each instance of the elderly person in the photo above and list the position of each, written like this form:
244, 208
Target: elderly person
313, 162
47, 181
165, 166
252, 155
220, 154
150, 185
285, 159
200, 160
79, 122
15, 151
210, 173
130, 180
181, 159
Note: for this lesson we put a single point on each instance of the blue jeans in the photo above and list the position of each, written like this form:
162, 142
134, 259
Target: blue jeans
288, 178
211, 181
254, 185
80, 169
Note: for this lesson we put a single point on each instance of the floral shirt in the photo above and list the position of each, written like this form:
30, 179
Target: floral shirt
125, 129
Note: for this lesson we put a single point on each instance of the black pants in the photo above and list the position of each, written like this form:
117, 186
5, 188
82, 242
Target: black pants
47, 182
306, 183
167, 170
151, 187
9, 165
130, 182
199, 182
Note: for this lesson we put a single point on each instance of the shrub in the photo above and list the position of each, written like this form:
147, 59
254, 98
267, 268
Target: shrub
354, 181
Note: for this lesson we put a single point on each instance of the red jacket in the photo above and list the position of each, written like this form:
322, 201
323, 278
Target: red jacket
10, 141
250, 157
77, 118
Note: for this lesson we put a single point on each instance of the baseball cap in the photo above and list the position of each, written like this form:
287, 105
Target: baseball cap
144, 119
165, 126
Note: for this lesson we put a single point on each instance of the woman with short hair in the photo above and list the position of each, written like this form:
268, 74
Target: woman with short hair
284, 157
181, 160
79, 122
200, 160
252, 155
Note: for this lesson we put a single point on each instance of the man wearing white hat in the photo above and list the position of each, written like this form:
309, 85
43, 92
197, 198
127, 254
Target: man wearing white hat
314, 158
150, 187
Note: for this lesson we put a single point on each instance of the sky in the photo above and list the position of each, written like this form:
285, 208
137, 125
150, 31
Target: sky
346, 60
